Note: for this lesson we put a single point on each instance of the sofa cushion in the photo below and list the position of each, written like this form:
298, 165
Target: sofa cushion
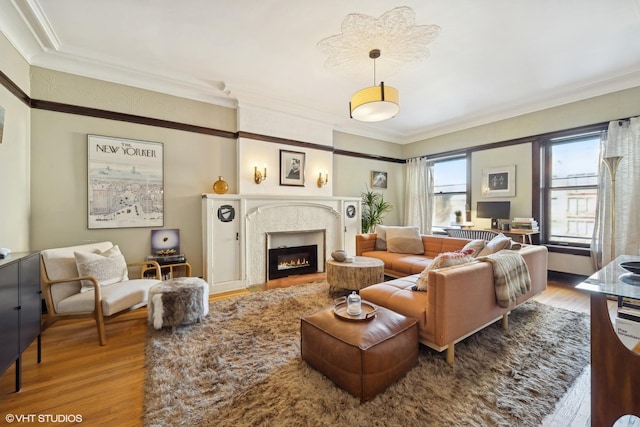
475, 245
107, 267
404, 240
397, 295
496, 244
446, 259
435, 245
381, 238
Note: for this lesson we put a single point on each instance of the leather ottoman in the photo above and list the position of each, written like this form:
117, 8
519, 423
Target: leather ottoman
361, 357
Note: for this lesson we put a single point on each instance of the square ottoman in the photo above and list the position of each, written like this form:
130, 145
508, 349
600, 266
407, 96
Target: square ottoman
361, 357
179, 301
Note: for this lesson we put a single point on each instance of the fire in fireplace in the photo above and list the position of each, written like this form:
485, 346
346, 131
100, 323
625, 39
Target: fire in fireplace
293, 260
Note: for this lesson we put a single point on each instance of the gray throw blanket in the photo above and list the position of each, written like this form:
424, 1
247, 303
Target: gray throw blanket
510, 276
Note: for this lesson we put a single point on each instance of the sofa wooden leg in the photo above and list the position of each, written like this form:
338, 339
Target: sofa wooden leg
505, 321
451, 351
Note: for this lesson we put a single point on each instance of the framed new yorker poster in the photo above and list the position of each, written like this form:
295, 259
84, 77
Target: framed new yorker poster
125, 183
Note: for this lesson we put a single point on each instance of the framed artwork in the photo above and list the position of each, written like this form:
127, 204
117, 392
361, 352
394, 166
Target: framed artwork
499, 182
125, 183
292, 168
165, 242
378, 179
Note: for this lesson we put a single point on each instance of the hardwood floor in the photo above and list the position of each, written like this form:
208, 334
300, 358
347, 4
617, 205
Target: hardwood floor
104, 384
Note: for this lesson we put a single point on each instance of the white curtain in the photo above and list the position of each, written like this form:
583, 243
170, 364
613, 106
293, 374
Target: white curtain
622, 139
419, 194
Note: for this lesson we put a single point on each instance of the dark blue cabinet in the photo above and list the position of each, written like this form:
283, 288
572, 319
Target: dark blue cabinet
20, 309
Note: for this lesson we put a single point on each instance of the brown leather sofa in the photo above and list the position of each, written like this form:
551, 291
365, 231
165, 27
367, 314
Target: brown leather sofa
401, 265
460, 300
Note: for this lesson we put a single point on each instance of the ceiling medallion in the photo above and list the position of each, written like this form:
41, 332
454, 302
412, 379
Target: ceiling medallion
394, 33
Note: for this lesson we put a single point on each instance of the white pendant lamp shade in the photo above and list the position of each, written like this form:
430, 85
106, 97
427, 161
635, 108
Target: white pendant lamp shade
375, 103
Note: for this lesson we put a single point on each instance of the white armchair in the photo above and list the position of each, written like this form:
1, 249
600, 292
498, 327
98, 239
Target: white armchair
91, 281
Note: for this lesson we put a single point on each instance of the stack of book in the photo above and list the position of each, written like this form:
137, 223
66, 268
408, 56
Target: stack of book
528, 224
628, 325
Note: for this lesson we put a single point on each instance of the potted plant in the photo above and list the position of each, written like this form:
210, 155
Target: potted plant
458, 216
374, 207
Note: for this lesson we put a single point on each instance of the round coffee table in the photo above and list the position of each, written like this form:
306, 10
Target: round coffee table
360, 273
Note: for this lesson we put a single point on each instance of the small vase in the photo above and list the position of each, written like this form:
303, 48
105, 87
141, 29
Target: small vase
220, 186
339, 255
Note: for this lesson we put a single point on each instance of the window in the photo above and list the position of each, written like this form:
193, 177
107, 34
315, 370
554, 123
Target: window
450, 188
571, 189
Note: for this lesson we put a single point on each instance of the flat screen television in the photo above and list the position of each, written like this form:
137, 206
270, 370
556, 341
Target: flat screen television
494, 210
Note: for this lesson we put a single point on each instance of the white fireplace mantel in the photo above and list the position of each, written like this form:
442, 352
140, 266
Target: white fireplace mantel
235, 251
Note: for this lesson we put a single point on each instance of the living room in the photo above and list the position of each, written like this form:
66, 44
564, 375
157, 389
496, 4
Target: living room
48, 115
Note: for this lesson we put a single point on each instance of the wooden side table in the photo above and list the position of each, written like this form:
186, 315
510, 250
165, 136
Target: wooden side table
360, 273
170, 271
615, 369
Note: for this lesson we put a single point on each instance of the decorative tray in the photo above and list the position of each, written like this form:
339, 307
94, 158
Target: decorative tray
368, 312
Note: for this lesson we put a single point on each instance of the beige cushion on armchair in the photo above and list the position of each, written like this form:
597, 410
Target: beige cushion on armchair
107, 267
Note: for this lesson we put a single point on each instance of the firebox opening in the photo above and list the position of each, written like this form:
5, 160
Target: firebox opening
294, 260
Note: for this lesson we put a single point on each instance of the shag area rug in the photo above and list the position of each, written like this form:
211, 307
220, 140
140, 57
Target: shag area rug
242, 367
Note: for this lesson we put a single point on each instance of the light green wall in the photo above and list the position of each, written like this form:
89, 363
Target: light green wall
70, 89
15, 161
514, 155
192, 161
353, 174
599, 109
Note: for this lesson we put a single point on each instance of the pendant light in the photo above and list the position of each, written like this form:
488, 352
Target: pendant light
374, 103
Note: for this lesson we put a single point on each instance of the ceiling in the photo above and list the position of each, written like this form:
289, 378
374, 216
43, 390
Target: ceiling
492, 59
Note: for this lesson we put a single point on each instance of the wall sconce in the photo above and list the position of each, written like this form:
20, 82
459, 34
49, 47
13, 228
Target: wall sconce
323, 181
258, 176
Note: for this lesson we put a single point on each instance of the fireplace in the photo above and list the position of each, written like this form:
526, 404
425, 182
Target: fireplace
294, 260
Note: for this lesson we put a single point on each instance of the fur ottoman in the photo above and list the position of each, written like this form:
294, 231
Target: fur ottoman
178, 301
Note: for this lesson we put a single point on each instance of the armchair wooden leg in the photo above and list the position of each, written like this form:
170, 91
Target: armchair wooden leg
505, 321
102, 336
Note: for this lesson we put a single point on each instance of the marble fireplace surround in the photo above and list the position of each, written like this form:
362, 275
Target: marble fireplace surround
293, 222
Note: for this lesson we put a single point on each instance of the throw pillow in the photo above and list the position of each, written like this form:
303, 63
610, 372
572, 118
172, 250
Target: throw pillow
404, 240
496, 244
476, 246
108, 267
445, 259
381, 237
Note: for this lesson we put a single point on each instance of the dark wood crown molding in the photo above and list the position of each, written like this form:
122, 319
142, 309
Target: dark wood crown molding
14, 89
129, 118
